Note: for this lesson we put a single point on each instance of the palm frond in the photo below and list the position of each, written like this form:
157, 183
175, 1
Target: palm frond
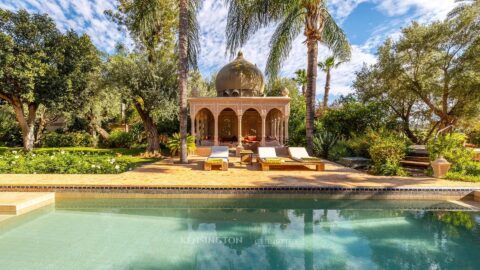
281, 41
245, 17
334, 38
193, 48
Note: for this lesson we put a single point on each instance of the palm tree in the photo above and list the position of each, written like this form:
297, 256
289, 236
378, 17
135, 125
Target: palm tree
301, 78
327, 66
152, 23
291, 16
188, 46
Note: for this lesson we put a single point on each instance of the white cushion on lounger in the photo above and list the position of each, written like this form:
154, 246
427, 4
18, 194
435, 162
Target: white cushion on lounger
219, 152
298, 152
266, 152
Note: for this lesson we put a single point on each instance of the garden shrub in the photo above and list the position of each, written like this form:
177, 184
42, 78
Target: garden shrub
10, 134
120, 139
451, 147
297, 135
353, 117
474, 137
339, 150
359, 145
386, 151
66, 162
72, 139
173, 144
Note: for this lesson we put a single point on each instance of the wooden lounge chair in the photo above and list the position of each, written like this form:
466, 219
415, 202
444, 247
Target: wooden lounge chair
218, 157
300, 154
267, 158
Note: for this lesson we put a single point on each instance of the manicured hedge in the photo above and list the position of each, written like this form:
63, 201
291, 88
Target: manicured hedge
69, 161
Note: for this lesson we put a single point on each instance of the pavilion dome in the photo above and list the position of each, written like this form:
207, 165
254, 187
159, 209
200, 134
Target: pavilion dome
240, 78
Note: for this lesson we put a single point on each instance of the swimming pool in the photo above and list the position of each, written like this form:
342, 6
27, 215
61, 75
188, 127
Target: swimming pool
241, 234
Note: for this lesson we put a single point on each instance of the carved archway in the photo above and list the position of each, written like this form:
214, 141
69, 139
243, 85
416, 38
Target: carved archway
204, 126
228, 127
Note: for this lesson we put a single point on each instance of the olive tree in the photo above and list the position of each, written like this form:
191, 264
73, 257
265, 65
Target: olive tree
40, 66
150, 86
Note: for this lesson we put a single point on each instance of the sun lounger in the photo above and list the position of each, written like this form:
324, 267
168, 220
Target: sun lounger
267, 158
300, 154
218, 157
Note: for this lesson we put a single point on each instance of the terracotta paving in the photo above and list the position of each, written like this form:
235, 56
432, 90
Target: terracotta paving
161, 174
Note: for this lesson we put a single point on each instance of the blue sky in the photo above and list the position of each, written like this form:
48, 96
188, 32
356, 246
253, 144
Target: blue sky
367, 24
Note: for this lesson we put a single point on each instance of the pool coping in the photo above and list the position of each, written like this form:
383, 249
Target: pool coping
429, 193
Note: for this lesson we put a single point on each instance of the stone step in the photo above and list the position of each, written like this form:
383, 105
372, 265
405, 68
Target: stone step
409, 163
418, 150
417, 158
16, 203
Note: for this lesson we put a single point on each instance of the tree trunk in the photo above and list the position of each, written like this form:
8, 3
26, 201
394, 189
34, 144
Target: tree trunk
41, 127
304, 86
409, 133
311, 91
327, 91
103, 133
153, 141
26, 123
95, 128
94, 137
182, 77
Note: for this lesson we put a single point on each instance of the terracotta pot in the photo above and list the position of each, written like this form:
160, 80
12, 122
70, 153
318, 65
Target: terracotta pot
440, 167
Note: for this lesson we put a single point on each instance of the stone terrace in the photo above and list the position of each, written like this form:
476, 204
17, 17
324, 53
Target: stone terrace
161, 174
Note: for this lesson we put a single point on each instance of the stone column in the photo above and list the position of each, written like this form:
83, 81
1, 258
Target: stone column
192, 121
273, 127
286, 128
239, 120
281, 132
263, 130
198, 130
277, 129
215, 136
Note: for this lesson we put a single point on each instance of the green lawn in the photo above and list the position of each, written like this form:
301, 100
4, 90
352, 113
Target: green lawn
463, 177
71, 160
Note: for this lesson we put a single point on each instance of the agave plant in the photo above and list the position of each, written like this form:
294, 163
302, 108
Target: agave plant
323, 142
174, 144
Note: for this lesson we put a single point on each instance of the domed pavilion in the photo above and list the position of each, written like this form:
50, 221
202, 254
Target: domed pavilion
240, 115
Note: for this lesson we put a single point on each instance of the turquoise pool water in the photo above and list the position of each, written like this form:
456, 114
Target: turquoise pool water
241, 234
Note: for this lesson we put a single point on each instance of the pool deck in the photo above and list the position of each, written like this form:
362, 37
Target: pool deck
165, 175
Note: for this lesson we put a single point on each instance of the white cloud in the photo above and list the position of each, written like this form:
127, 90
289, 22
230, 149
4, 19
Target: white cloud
341, 9
83, 16
87, 16
424, 9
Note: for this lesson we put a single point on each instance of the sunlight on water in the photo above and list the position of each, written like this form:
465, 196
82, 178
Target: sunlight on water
240, 234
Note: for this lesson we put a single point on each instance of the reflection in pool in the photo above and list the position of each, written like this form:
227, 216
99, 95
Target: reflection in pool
242, 234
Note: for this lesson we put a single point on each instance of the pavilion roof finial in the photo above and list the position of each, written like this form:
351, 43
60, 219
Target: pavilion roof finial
240, 54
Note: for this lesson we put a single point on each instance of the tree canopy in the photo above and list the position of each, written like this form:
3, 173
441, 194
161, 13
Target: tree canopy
40, 66
432, 72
